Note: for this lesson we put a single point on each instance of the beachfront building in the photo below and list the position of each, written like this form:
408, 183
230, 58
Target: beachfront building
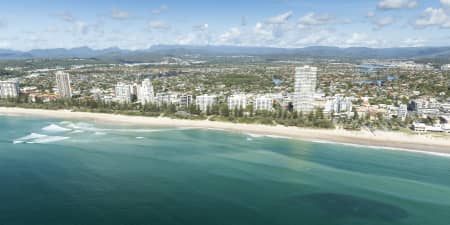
123, 93
205, 101
63, 84
163, 98
9, 89
263, 102
185, 101
146, 93
402, 112
338, 104
304, 88
237, 101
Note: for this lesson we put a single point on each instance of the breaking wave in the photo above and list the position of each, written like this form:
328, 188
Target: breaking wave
55, 128
35, 138
81, 126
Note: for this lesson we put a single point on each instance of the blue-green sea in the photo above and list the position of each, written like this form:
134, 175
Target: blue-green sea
55, 172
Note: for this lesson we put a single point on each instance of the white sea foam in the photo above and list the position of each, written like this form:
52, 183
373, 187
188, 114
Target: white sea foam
49, 139
383, 148
35, 138
55, 128
77, 132
269, 136
278, 136
255, 135
139, 137
91, 128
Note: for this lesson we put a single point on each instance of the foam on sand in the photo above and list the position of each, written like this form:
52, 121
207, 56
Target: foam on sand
55, 128
35, 138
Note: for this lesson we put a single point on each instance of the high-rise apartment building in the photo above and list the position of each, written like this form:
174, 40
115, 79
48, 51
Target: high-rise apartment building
123, 92
146, 93
304, 88
9, 89
63, 84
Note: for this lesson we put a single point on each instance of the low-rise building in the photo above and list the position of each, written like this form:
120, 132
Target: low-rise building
263, 102
237, 101
205, 101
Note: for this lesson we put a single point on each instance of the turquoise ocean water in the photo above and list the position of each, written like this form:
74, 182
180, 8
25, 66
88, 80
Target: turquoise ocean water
78, 173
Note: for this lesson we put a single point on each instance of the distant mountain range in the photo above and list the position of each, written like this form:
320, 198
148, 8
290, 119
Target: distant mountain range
179, 50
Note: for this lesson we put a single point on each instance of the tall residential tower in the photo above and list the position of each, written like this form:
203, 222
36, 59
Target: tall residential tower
63, 84
9, 89
146, 93
305, 87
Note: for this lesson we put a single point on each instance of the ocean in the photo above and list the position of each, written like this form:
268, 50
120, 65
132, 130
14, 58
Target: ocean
55, 172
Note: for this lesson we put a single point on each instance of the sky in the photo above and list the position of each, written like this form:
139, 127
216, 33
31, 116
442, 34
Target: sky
140, 24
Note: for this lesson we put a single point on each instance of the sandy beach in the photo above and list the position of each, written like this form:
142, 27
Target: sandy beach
396, 140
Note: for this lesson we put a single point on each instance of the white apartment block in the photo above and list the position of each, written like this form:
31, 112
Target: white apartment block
205, 101
237, 101
146, 92
263, 102
163, 98
185, 101
304, 88
9, 89
402, 112
445, 67
63, 84
338, 104
123, 92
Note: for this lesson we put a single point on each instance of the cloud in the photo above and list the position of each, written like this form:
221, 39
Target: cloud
280, 19
445, 3
4, 43
52, 29
313, 19
160, 10
433, 17
79, 27
361, 39
232, 36
413, 42
370, 14
383, 22
397, 4
119, 14
159, 25
201, 28
65, 16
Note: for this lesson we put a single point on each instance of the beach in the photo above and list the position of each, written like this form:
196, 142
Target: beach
424, 143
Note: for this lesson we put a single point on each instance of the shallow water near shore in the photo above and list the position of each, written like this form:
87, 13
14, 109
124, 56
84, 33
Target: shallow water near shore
71, 172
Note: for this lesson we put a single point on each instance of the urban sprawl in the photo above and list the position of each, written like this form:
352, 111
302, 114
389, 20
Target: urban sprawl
372, 94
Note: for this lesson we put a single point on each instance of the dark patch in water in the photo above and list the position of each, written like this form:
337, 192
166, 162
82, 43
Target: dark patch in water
340, 206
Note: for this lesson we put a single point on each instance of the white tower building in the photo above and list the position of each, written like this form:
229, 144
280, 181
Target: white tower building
9, 89
63, 84
305, 87
146, 92
123, 92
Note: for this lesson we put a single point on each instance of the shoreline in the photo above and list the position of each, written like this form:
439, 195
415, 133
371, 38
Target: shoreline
422, 143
